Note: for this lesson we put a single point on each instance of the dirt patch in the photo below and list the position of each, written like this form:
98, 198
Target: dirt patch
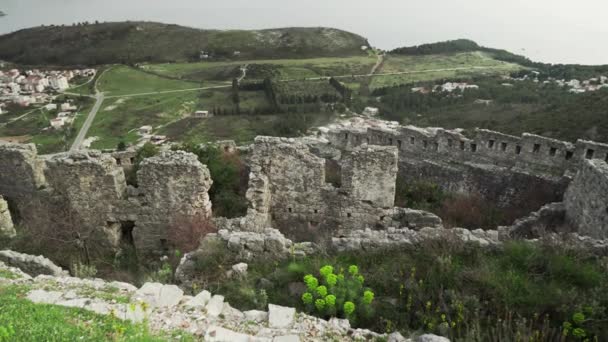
17, 139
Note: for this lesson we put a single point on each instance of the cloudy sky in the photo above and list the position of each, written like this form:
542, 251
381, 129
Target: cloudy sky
555, 31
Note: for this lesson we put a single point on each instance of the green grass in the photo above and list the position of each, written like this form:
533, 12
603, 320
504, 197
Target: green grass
35, 127
6, 274
241, 128
283, 68
112, 125
419, 65
22, 320
478, 289
119, 118
123, 80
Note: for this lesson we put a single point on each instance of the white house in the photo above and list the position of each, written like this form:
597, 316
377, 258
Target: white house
201, 114
370, 111
59, 82
144, 130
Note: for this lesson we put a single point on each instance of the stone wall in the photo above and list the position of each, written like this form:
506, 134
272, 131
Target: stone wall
529, 153
87, 192
586, 200
501, 168
21, 171
288, 190
172, 190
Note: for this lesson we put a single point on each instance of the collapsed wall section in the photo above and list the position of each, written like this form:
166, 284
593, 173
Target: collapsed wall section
586, 199
21, 171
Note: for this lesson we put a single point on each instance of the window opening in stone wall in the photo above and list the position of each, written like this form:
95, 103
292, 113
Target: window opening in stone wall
590, 153
424, 143
164, 245
399, 143
569, 155
367, 140
390, 141
536, 148
412, 140
333, 173
450, 143
552, 151
348, 215
436, 146
126, 232
316, 211
490, 143
606, 159
473, 147
518, 149
289, 209
132, 160
118, 161
345, 136
462, 145
503, 146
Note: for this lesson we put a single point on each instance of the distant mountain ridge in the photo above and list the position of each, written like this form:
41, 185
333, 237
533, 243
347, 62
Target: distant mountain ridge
134, 42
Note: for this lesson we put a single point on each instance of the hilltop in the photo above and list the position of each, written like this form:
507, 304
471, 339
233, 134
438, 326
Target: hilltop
134, 42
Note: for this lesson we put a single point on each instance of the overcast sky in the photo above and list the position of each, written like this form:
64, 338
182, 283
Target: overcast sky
556, 31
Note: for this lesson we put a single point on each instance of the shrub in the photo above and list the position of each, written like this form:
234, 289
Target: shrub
186, 232
418, 195
230, 179
146, 151
338, 294
81, 270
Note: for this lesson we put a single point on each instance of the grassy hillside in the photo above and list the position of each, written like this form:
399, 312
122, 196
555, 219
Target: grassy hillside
567, 71
133, 42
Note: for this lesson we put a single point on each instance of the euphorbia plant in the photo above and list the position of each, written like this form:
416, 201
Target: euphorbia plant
338, 294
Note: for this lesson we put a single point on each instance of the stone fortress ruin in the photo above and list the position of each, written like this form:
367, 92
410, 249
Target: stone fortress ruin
335, 188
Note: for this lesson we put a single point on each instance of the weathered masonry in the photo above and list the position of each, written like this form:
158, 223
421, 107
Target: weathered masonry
311, 189
505, 169
88, 190
529, 153
289, 189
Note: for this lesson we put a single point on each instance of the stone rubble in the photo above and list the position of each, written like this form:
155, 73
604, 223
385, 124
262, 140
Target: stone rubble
164, 308
32, 265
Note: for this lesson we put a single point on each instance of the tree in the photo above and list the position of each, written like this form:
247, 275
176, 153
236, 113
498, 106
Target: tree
2, 14
121, 146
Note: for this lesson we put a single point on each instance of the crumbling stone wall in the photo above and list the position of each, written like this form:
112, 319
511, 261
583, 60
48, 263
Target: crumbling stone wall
21, 171
172, 190
288, 190
88, 191
586, 199
500, 167
529, 153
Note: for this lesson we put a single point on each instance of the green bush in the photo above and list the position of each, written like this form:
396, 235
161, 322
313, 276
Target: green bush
341, 295
229, 175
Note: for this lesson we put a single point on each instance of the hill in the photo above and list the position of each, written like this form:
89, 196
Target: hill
567, 71
134, 42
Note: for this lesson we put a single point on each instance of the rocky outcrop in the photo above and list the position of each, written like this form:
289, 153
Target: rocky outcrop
7, 229
32, 265
166, 308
